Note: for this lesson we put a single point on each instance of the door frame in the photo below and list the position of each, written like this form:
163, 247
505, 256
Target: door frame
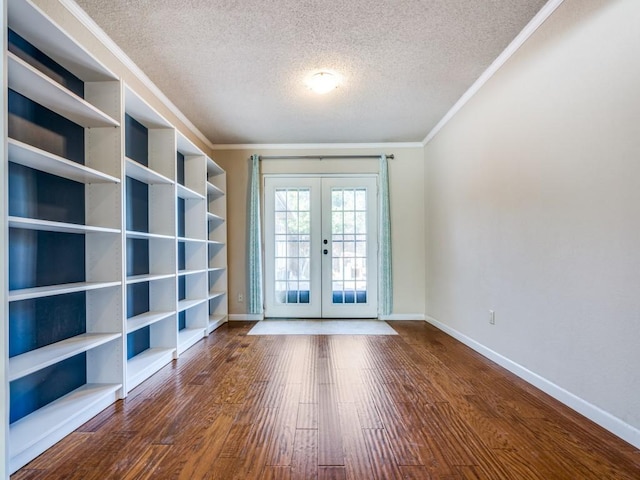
322, 281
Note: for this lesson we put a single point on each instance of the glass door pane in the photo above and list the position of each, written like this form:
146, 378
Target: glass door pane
349, 281
292, 247
349, 245
293, 239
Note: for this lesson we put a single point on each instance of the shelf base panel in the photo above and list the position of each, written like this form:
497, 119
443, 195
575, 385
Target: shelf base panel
216, 321
142, 366
33, 434
188, 337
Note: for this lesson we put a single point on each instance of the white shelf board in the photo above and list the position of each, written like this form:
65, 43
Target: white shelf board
145, 364
35, 85
215, 243
145, 174
46, 225
148, 277
187, 337
191, 240
188, 303
38, 159
186, 147
215, 321
182, 273
214, 191
32, 24
145, 235
213, 295
217, 269
50, 290
30, 362
214, 217
142, 112
187, 193
31, 435
213, 168
145, 319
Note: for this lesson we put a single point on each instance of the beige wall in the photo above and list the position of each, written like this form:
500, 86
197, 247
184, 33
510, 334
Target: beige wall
533, 207
406, 176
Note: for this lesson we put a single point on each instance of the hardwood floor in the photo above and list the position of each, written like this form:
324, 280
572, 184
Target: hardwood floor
415, 406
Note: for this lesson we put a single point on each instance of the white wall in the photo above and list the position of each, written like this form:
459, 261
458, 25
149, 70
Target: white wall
533, 210
406, 177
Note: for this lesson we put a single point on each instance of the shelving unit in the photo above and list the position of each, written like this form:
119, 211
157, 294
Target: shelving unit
191, 243
216, 245
65, 292
115, 237
150, 237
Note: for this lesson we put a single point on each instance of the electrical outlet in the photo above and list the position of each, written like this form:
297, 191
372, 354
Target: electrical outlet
492, 317
240, 298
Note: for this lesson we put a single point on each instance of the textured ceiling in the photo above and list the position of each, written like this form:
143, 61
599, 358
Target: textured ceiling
236, 69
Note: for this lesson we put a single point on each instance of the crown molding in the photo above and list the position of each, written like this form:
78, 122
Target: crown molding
535, 23
84, 18
315, 146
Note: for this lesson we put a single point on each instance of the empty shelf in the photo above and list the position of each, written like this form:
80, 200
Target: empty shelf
30, 82
38, 159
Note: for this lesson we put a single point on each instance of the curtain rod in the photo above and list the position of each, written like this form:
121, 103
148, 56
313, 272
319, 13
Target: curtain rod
318, 157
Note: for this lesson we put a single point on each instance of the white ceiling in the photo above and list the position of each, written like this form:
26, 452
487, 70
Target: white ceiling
236, 69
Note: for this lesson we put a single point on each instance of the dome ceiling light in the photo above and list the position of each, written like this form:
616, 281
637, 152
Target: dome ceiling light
323, 82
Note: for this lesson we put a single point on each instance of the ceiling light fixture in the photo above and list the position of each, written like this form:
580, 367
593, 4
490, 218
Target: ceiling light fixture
323, 82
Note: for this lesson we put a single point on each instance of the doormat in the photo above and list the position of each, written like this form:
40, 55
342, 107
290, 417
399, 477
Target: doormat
322, 327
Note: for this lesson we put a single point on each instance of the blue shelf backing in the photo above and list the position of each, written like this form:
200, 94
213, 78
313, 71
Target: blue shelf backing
182, 222
182, 288
182, 320
138, 342
36, 194
137, 256
38, 126
37, 59
39, 322
137, 299
137, 205
182, 256
40, 258
30, 393
180, 165
136, 145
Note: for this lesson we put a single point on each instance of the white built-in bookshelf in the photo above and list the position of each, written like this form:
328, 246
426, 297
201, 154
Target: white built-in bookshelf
114, 238
216, 245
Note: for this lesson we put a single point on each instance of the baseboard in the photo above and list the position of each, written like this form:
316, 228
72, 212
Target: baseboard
403, 316
245, 317
607, 421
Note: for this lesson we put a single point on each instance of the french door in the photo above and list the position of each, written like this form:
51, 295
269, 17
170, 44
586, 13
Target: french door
321, 247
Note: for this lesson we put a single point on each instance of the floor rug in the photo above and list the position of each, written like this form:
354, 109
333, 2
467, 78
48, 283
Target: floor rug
322, 327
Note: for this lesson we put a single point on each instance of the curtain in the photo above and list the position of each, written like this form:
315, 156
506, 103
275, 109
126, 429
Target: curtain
254, 293
385, 284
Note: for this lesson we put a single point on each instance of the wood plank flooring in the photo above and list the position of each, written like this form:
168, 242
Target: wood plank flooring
415, 406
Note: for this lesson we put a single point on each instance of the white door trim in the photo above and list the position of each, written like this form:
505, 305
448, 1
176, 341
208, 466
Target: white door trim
274, 309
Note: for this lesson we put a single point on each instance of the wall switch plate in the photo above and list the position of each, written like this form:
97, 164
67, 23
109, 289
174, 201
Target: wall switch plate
240, 298
492, 317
